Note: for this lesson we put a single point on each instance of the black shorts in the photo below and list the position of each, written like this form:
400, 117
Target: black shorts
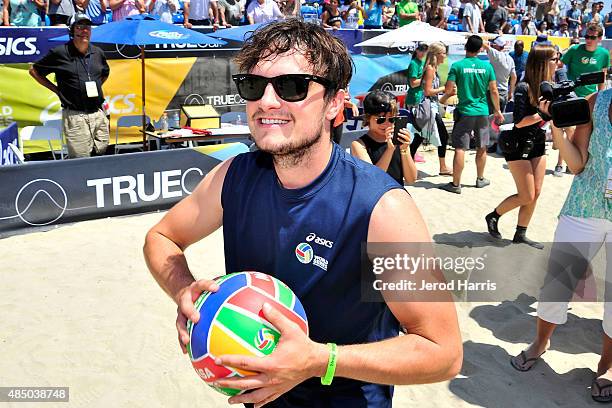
539, 149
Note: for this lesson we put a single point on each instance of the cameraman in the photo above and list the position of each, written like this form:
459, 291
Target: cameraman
526, 162
586, 58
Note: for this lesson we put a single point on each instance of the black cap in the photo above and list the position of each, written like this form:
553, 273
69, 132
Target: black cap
79, 18
377, 102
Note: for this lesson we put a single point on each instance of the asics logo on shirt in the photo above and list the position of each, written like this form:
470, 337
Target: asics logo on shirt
319, 240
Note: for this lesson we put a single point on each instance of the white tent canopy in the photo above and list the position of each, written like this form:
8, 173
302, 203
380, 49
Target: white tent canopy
417, 31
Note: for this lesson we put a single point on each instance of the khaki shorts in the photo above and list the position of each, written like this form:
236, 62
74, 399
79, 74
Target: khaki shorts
85, 132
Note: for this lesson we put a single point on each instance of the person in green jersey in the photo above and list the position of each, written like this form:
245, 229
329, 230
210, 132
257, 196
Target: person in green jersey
585, 58
470, 79
584, 228
407, 12
415, 74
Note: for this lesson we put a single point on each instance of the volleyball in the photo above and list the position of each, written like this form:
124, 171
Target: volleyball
232, 322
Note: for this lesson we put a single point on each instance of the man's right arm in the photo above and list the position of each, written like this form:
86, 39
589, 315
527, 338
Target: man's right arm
43, 80
186, 22
192, 219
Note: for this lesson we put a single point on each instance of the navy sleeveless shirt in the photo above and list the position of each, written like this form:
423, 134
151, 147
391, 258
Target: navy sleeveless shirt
311, 239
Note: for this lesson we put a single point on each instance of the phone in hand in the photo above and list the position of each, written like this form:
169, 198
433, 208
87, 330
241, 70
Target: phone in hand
400, 123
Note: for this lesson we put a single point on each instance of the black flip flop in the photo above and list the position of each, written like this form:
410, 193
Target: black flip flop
525, 361
599, 398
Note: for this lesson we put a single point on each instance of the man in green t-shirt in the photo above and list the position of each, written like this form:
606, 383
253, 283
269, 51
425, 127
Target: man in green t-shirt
585, 58
415, 74
407, 12
470, 79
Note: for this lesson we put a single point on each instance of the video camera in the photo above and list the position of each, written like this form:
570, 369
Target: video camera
566, 108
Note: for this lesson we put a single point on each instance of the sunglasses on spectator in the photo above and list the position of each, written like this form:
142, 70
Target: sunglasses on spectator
591, 37
290, 87
381, 119
83, 26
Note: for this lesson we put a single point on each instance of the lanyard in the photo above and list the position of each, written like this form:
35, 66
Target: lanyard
85, 61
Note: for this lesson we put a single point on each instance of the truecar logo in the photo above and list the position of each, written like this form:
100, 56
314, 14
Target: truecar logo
168, 35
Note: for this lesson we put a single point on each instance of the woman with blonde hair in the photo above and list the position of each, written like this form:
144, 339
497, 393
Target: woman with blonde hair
525, 159
435, 132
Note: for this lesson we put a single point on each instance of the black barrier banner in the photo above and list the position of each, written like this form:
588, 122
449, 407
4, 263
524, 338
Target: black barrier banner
49, 193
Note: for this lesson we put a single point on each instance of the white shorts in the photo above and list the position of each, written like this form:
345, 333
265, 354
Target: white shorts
593, 233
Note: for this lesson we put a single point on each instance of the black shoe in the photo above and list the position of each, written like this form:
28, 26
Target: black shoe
522, 239
491, 220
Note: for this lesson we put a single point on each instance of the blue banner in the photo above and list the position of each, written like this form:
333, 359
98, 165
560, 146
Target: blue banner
8, 136
18, 45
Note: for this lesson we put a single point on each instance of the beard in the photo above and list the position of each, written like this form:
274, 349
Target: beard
295, 152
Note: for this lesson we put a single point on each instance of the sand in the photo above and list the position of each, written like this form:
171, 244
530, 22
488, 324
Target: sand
80, 309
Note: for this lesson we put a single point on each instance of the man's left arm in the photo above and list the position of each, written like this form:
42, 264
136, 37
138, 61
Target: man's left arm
513, 80
602, 86
105, 70
430, 351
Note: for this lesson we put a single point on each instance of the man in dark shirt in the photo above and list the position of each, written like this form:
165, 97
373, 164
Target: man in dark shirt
495, 18
520, 58
80, 70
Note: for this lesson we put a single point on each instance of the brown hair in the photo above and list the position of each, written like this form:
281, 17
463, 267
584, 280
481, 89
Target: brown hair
536, 69
326, 54
596, 28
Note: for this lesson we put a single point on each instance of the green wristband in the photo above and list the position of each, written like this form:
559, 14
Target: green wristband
331, 364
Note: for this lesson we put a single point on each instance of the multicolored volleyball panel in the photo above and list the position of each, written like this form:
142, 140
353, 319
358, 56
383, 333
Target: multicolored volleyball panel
232, 322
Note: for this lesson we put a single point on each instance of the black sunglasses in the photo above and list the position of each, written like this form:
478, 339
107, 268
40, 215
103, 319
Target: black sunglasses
381, 119
290, 87
591, 37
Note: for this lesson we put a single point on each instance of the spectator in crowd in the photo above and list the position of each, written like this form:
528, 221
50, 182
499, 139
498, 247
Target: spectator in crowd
435, 131
563, 30
290, 8
22, 13
608, 24
80, 69
163, 9
352, 12
574, 19
376, 146
435, 14
197, 12
263, 11
454, 5
526, 27
550, 12
519, 56
472, 18
60, 11
94, 9
472, 77
125, 8
592, 16
495, 18
588, 57
407, 11
231, 10
374, 11
543, 28
505, 72
390, 19
331, 16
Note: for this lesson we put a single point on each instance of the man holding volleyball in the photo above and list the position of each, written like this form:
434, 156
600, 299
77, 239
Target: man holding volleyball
300, 209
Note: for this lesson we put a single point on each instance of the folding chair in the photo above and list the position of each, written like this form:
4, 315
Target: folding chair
47, 133
58, 124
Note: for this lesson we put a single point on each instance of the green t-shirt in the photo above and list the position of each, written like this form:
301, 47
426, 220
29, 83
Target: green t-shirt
580, 61
408, 7
472, 76
415, 70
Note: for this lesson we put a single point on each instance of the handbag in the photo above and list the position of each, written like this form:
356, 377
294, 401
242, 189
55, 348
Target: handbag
422, 113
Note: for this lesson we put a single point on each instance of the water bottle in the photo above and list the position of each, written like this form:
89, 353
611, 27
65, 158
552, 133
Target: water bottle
164, 122
176, 121
351, 21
